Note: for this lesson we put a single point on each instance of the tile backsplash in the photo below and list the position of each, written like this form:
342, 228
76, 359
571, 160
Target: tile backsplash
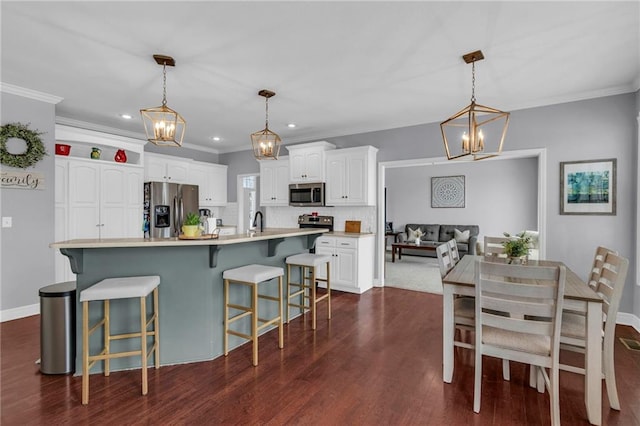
287, 217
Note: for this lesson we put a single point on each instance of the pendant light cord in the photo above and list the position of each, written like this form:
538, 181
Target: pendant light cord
473, 81
164, 85
266, 120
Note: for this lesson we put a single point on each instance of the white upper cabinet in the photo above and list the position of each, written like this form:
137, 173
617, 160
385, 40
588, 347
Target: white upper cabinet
307, 161
161, 168
351, 174
274, 182
212, 183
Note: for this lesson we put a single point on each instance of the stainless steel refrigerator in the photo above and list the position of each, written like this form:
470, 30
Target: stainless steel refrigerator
165, 207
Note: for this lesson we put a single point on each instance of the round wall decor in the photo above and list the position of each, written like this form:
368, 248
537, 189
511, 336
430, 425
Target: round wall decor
35, 148
447, 191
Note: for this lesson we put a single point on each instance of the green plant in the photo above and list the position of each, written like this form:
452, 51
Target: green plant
517, 246
191, 219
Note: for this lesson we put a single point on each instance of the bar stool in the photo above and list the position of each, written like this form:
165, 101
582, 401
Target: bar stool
120, 288
308, 264
252, 276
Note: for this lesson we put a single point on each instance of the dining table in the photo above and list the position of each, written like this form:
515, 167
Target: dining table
578, 297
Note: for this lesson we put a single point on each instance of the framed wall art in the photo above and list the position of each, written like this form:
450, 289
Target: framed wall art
447, 192
588, 187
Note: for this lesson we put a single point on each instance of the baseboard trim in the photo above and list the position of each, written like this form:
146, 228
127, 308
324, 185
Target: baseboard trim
624, 318
20, 312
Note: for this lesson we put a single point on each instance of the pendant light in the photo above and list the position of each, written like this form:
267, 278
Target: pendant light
163, 126
476, 130
266, 144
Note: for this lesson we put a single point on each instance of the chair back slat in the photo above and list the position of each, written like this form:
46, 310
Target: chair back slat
596, 267
519, 308
610, 284
444, 259
537, 290
453, 251
542, 328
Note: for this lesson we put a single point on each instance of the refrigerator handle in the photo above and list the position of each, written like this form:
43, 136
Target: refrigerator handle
176, 220
181, 213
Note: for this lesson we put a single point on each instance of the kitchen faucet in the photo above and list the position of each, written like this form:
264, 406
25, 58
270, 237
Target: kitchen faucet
255, 220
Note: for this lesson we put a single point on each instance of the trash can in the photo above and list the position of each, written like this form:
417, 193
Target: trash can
58, 328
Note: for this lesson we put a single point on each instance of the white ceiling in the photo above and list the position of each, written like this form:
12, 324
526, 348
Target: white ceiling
338, 68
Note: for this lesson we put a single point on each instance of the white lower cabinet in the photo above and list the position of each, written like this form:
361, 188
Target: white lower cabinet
227, 230
352, 259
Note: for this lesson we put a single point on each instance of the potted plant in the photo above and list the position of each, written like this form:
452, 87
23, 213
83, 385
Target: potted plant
191, 225
517, 247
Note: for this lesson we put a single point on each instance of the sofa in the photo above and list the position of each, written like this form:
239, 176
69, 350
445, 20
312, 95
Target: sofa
435, 234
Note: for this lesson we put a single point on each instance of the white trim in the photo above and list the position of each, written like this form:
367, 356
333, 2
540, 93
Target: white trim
123, 133
541, 153
624, 318
19, 312
29, 93
638, 214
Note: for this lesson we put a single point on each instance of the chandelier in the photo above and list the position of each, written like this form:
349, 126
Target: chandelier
476, 130
163, 126
266, 144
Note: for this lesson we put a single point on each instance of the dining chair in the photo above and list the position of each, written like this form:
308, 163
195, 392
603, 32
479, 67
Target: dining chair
610, 282
493, 246
463, 307
598, 261
532, 298
453, 251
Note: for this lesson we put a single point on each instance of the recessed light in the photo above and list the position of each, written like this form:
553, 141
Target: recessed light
291, 125
126, 116
216, 138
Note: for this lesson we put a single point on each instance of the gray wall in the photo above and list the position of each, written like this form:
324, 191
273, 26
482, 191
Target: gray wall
27, 261
240, 163
183, 152
500, 195
590, 129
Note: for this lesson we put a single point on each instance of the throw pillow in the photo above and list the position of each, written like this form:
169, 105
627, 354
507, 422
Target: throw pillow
413, 234
461, 236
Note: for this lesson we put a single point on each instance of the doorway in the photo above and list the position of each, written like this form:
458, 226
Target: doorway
248, 197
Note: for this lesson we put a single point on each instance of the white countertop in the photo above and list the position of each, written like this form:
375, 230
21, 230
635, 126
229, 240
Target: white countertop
267, 234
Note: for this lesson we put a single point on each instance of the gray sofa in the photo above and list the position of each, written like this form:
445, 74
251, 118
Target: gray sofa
435, 234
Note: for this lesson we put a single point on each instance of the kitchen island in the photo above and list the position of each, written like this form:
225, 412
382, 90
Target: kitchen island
191, 287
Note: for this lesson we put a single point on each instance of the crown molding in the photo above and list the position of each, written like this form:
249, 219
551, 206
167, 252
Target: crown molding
124, 133
29, 93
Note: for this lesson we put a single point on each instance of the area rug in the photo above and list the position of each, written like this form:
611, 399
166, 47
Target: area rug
416, 273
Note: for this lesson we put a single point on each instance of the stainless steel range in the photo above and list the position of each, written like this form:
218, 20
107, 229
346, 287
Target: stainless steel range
314, 221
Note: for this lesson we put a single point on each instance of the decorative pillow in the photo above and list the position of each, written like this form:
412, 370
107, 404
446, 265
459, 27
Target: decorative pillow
413, 234
461, 236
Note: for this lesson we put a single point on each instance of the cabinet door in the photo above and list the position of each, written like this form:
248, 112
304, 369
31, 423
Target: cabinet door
61, 231
113, 202
198, 176
346, 267
355, 179
336, 176
314, 165
134, 203
217, 185
178, 171
297, 166
155, 169
322, 272
274, 183
84, 200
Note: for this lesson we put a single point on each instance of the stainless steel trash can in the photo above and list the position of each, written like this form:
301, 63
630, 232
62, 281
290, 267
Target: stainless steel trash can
58, 328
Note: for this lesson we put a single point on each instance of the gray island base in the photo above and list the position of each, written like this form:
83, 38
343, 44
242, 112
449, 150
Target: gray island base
190, 292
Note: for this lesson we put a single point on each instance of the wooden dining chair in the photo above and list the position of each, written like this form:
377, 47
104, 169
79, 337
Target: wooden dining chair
493, 246
453, 251
598, 261
463, 307
610, 282
532, 297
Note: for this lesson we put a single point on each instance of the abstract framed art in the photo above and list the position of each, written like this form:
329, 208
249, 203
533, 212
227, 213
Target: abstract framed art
588, 187
447, 192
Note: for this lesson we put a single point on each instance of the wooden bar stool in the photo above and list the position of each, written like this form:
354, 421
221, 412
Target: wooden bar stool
307, 287
252, 276
120, 288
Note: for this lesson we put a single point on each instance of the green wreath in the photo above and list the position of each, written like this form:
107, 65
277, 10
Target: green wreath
35, 148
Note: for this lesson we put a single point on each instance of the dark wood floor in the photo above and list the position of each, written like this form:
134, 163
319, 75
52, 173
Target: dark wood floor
378, 361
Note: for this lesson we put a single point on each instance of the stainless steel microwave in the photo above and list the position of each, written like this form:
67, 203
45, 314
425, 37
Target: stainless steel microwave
306, 194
